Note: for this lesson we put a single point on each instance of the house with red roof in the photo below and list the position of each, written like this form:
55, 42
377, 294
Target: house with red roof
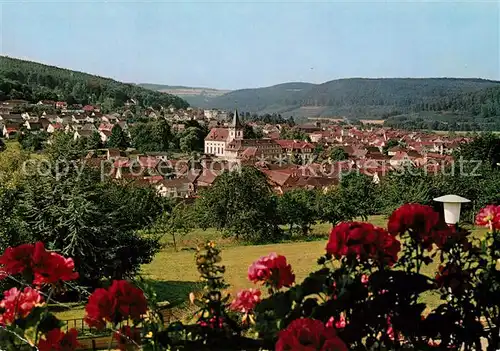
294, 147
10, 130
61, 104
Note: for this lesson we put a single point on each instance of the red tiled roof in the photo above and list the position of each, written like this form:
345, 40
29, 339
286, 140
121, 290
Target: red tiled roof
277, 177
105, 126
294, 144
218, 134
148, 162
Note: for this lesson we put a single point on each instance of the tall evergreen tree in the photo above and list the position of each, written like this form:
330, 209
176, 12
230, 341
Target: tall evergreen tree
118, 138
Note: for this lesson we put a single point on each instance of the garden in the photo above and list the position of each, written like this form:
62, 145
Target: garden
368, 294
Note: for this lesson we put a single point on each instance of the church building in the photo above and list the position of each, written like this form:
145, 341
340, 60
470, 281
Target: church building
229, 144
217, 140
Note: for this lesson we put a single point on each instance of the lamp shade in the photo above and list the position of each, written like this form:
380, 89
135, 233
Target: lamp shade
452, 205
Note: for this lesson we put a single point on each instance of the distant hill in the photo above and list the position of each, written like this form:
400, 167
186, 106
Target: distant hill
195, 96
466, 111
356, 97
32, 81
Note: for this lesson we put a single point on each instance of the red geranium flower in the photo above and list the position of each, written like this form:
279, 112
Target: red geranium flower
121, 301
489, 216
273, 270
46, 267
414, 217
130, 300
16, 260
99, 309
363, 240
246, 300
420, 220
18, 304
50, 267
305, 334
128, 338
58, 340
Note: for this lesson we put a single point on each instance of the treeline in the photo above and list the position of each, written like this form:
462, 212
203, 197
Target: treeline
33, 82
484, 103
471, 111
443, 121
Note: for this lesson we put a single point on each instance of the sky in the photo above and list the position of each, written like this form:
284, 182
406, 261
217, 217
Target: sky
233, 45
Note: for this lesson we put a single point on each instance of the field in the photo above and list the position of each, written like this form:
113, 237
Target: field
173, 273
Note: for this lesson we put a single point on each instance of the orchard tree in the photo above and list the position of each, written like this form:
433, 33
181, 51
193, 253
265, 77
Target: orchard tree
297, 208
359, 194
241, 204
331, 207
178, 221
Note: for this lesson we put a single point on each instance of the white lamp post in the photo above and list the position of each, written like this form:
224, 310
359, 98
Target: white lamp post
451, 205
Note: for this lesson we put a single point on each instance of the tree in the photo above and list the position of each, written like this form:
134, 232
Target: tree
192, 139
241, 204
484, 148
338, 154
359, 194
94, 142
2, 145
152, 136
94, 222
293, 134
32, 141
390, 144
298, 208
331, 207
62, 146
355, 196
178, 221
250, 132
118, 138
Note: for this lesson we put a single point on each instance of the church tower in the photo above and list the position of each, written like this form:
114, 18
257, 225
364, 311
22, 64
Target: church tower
236, 128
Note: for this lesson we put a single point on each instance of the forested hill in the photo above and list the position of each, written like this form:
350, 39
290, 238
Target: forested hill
357, 97
32, 81
471, 111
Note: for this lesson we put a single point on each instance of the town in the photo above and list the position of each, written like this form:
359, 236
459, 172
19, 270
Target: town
327, 148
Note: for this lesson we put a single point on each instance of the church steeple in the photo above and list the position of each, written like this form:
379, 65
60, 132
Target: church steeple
236, 120
236, 128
